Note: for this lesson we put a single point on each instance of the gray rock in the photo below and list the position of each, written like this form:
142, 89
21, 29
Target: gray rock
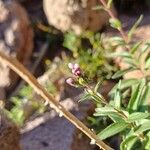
51, 132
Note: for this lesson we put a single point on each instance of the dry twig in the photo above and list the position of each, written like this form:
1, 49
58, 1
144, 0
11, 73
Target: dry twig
31, 80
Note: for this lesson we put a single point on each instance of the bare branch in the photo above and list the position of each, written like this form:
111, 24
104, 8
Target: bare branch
31, 80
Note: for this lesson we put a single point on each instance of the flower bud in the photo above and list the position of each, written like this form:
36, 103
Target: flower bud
76, 66
77, 73
70, 81
75, 69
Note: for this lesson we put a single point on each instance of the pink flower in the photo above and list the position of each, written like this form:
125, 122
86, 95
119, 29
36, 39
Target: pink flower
75, 68
70, 81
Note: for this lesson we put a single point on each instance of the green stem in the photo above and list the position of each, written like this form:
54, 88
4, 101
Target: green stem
100, 98
123, 34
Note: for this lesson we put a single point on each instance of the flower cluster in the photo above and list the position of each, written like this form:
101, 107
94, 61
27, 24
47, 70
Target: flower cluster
76, 71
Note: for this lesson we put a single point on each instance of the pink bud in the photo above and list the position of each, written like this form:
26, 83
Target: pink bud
77, 73
70, 81
76, 66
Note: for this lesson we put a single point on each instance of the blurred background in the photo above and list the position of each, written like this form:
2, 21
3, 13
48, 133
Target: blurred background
45, 36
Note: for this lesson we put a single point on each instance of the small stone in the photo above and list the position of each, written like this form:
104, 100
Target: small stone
75, 15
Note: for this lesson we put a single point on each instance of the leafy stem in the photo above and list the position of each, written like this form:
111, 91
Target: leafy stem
100, 99
120, 29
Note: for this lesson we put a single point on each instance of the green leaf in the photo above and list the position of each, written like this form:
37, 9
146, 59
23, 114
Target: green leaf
120, 73
16, 101
136, 94
147, 63
97, 98
116, 117
98, 7
116, 41
112, 129
146, 47
84, 97
104, 111
125, 84
144, 100
128, 143
117, 97
137, 116
120, 54
135, 47
131, 62
109, 3
98, 85
147, 144
26, 91
143, 127
115, 23
126, 93
146, 96
132, 30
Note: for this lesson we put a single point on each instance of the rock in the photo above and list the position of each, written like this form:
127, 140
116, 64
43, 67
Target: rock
9, 134
50, 132
75, 15
16, 38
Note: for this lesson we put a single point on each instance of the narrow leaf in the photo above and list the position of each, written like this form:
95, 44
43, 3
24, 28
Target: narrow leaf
137, 116
84, 97
130, 61
146, 95
104, 111
144, 100
144, 127
116, 117
128, 142
147, 144
135, 47
135, 98
112, 129
98, 85
146, 47
125, 84
109, 4
117, 97
147, 63
132, 30
122, 72
120, 54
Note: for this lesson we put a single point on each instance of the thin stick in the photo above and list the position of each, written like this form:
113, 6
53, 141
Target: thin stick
31, 80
